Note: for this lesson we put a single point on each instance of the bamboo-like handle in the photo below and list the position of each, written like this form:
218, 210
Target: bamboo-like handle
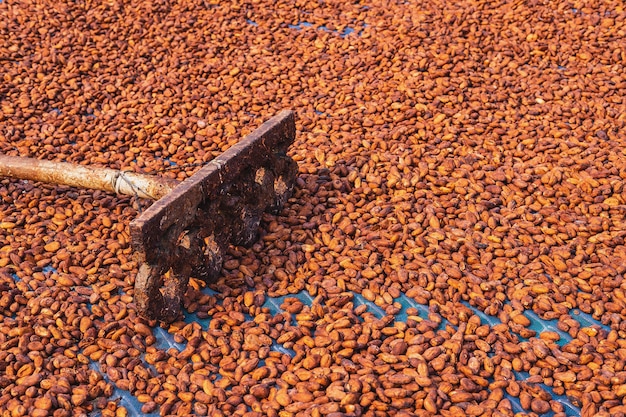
106, 179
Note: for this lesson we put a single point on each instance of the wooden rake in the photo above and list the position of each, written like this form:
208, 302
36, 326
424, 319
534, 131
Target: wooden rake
187, 230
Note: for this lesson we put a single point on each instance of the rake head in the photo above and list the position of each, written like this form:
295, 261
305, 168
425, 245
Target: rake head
185, 233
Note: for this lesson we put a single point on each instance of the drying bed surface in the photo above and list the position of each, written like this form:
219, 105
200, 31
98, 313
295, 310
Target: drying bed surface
454, 245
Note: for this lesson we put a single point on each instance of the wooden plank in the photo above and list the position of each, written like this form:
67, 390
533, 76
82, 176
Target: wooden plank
185, 232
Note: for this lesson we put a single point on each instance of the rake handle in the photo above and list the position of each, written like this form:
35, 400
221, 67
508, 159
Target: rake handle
106, 179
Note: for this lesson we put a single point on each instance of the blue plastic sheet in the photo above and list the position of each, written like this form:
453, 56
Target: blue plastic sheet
165, 340
304, 24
